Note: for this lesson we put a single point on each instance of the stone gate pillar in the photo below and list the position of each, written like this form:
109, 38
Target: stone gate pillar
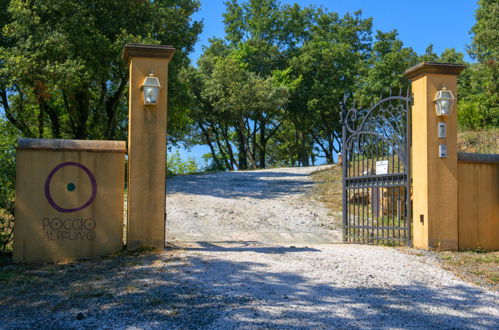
434, 158
147, 144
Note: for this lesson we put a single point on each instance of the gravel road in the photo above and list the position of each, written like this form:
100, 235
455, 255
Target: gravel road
273, 284
217, 281
272, 206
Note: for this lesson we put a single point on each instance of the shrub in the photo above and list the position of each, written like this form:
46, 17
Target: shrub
175, 165
8, 141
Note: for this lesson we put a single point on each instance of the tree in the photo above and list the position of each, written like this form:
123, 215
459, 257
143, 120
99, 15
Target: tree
482, 97
231, 105
241, 85
8, 141
485, 44
62, 73
263, 35
210, 126
330, 64
385, 73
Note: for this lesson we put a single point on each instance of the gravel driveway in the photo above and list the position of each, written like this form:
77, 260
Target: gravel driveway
261, 282
281, 277
272, 206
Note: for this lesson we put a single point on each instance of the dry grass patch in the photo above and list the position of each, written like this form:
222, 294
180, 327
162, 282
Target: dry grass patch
479, 267
485, 141
328, 190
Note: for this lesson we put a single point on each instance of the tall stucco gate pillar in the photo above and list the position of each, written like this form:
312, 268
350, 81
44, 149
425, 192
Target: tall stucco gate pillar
434, 157
148, 65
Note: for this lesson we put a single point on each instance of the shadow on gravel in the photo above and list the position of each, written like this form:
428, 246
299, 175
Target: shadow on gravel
259, 185
165, 291
248, 246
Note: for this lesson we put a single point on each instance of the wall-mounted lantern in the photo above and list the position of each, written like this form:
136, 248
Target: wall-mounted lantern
150, 89
444, 101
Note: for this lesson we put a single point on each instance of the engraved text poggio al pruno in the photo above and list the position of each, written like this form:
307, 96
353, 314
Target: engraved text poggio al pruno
69, 229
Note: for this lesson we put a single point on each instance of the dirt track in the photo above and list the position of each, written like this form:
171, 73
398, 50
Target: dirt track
272, 206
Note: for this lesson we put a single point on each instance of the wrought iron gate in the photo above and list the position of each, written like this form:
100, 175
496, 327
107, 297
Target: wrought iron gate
376, 173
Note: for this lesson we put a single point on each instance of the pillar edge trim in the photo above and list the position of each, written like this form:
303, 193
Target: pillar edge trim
424, 68
140, 50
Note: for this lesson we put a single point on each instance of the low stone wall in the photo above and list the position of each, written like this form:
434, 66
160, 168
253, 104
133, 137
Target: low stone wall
478, 201
69, 199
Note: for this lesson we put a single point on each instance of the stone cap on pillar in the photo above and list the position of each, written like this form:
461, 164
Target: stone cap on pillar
433, 67
140, 50
71, 145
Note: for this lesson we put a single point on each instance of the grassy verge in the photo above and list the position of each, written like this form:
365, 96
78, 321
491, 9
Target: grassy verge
485, 141
479, 267
328, 189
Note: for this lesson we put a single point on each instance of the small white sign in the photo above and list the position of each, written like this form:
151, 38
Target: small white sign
382, 167
442, 151
442, 130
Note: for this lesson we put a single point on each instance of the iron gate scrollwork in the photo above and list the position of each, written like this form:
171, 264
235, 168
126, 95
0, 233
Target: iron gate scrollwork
376, 172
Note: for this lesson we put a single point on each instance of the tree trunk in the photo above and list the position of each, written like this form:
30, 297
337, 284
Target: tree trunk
82, 111
54, 119
111, 109
210, 145
243, 152
228, 146
41, 115
263, 144
25, 130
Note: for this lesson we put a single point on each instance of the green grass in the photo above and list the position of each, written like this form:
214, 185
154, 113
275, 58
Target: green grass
484, 141
477, 266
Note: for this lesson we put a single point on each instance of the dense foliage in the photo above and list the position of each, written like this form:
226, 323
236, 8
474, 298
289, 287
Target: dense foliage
268, 94
479, 106
61, 68
8, 140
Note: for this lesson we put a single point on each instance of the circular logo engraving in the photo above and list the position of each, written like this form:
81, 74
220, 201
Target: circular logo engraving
70, 187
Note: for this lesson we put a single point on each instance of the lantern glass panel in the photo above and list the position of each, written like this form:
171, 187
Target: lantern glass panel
443, 102
151, 95
445, 94
150, 89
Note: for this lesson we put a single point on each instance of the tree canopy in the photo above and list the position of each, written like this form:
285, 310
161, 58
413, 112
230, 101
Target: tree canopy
479, 83
61, 71
265, 94
269, 93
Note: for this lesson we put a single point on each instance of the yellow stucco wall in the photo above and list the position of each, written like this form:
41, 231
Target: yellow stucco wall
419, 160
147, 154
434, 178
478, 195
69, 199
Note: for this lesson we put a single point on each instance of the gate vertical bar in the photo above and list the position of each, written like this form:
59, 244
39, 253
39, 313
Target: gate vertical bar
344, 163
408, 199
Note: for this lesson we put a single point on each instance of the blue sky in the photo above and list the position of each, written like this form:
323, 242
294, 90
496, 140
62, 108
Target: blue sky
443, 23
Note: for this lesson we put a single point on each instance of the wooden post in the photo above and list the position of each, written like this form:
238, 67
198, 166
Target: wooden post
146, 146
435, 213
